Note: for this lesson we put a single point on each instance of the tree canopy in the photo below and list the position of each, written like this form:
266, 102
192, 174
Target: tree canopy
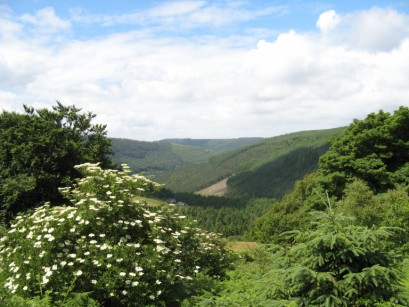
375, 150
39, 150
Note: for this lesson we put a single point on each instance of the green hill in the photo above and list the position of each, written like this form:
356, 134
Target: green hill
266, 169
153, 158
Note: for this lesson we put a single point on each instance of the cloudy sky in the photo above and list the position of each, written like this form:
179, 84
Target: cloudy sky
206, 69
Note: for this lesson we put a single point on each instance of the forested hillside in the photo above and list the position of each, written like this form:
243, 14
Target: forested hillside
153, 158
260, 170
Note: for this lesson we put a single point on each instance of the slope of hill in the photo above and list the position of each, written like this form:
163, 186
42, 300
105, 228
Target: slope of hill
274, 164
216, 145
276, 178
153, 158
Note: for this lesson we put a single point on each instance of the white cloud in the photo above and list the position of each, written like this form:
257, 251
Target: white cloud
373, 30
328, 20
145, 87
46, 20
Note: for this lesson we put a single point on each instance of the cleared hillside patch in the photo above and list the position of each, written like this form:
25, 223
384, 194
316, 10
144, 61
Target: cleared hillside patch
218, 189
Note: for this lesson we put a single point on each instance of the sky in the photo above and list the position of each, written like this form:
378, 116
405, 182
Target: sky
152, 70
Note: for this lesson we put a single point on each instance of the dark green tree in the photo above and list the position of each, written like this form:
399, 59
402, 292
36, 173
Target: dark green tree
375, 150
339, 264
38, 152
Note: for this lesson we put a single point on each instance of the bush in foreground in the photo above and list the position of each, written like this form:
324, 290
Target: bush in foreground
110, 243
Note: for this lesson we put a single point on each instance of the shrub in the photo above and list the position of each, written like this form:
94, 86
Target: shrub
110, 243
339, 264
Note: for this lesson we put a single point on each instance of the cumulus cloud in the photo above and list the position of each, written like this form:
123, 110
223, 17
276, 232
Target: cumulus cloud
148, 87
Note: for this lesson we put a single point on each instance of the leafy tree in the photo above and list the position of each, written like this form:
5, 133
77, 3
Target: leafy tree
390, 209
375, 150
360, 202
396, 214
38, 151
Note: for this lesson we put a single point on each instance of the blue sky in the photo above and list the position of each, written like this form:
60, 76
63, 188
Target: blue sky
278, 15
206, 69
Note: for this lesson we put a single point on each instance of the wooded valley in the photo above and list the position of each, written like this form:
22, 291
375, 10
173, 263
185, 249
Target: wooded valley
328, 210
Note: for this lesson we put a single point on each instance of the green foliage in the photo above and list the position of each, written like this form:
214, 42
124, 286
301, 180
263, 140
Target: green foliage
38, 152
229, 217
360, 202
110, 247
77, 300
246, 285
384, 209
333, 263
375, 150
395, 213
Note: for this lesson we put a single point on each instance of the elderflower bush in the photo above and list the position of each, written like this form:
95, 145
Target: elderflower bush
110, 243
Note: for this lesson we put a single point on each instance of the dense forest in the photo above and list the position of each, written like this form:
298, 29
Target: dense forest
329, 211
